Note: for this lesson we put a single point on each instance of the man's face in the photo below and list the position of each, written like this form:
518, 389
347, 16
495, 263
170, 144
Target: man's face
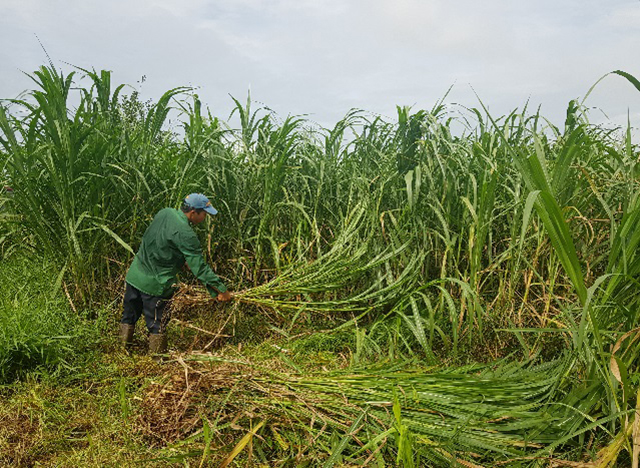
199, 217
195, 217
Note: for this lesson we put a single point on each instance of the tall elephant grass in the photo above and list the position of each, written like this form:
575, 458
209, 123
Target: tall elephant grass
604, 340
89, 178
447, 238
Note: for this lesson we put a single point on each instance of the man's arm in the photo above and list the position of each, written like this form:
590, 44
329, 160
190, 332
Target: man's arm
190, 247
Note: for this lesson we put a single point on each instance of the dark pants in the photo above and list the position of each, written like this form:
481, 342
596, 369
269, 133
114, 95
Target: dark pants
156, 314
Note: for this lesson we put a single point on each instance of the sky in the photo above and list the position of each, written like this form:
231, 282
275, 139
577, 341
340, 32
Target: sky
321, 58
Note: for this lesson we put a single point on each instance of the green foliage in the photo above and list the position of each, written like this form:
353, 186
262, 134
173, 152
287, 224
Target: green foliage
607, 308
38, 330
415, 234
78, 171
354, 218
335, 342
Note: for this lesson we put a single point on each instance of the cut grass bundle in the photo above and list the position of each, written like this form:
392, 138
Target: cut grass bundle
348, 278
470, 415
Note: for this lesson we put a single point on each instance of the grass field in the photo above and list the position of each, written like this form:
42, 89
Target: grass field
448, 289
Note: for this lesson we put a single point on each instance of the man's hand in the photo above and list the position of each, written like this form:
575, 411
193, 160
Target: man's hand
224, 297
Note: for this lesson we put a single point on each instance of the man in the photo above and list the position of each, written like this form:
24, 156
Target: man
167, 244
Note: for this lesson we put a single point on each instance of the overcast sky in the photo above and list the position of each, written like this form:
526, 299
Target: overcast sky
324, 57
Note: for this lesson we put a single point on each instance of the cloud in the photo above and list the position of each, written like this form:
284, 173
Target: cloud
625, 16
324, 57
176, 8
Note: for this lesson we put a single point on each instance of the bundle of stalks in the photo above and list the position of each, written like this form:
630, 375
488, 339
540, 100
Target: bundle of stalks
296, 289
448, 415
467, 415
363, 282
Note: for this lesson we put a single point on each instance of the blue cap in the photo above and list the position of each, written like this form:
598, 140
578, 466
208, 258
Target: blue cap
200, 202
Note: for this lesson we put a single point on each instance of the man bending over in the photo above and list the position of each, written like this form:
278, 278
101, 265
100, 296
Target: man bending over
167, 244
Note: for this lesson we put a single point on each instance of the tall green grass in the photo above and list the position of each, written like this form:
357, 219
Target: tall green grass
89, 178
39, 333
460, 244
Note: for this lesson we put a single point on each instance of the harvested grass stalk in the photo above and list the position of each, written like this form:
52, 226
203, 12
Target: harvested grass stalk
470, 414
293, 291
363, 282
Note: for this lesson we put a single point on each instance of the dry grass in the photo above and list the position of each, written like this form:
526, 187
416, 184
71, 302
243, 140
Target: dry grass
19, 435
174, 404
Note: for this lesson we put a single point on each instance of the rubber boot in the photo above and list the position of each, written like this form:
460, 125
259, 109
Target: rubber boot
126, 334
157, 345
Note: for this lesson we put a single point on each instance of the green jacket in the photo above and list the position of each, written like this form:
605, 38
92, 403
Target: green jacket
167, 244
